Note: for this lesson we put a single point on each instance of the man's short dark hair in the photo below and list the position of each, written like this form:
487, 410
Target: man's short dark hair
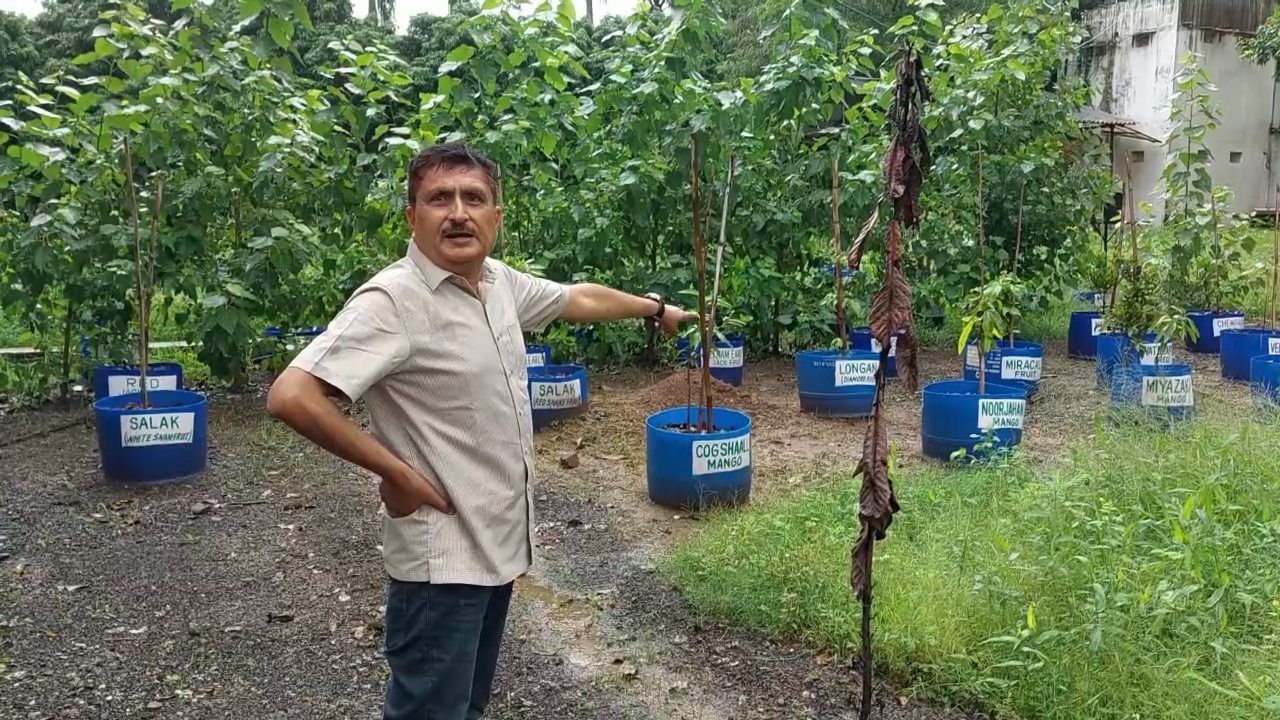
450, 155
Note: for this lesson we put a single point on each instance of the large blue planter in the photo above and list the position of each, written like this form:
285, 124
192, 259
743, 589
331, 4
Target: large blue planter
1264, 381
1209, 326
1162, 390
954, 417
1018, 365
112, 380
164, 443
727, 358
697, 470
1117, 351
557, 392
1082, 334
832, 383
1240, 346
860, 339
537, 356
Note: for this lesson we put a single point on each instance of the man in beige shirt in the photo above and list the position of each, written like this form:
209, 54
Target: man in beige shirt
434, 345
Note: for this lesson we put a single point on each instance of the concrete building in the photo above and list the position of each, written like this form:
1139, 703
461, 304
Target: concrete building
1132, 58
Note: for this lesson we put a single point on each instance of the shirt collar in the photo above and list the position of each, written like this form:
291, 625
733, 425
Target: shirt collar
434, 274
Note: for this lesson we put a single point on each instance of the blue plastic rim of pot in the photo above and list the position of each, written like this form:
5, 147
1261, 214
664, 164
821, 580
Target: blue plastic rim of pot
557, 392
1209, 326
112, 380
832, 383
1082, 334
163, 443
955, 417
1160, 389
1241, 345
1264, 381
727, 358
698, 470
1018, 365
860, 339
1116, 350
537, 356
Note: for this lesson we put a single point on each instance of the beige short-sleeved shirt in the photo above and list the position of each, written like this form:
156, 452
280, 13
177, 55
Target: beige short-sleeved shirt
442, 373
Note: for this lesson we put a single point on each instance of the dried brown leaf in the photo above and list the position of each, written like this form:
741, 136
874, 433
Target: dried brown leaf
908, 362
891, 307
859, 559
894, 161
855, 252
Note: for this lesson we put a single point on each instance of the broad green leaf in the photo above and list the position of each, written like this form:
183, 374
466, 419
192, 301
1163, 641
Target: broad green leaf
249, 8
304, 17
461, 54
182, 4
214, 301
281, 31
40, 219
85, 58
103, 48
567, 11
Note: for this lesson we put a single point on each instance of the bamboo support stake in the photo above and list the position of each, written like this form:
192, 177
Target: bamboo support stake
724, 224
982, 278
700, 264
839, 259
1275, 261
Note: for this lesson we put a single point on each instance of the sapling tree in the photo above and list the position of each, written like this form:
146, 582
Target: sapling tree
144, 264
906, 161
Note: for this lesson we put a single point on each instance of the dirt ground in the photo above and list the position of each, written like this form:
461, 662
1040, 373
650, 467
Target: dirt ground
255, 591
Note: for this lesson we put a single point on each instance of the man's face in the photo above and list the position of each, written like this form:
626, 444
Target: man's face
454, 217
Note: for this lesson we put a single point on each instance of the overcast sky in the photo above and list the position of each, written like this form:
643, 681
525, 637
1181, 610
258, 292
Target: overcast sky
405, 9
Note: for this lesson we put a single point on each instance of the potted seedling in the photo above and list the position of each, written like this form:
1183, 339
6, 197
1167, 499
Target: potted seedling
151, 435
700, 455
1264, 367
838, 381
1099, 272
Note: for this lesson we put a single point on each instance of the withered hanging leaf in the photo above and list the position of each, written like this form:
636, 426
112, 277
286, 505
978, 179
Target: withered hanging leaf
891, 307
894, 171
908, 362
858, 561
855, 252
876, 500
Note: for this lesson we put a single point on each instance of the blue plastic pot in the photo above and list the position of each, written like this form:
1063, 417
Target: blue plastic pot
955, 417
832, 383
1163, 390
112, 380
1082, 334
860, 339
727, 358
557, 392
698, 470
1209, 326
537, 356
1264, 381
1018, 365
1115, 350
163, 443
1240, 346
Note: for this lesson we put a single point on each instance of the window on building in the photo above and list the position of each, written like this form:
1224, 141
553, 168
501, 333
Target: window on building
1210, 36
1237, 158
1137, 156
1143, 39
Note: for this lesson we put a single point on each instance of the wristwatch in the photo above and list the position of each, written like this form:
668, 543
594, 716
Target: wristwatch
662, 306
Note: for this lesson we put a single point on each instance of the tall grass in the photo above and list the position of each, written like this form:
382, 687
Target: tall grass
1139, 580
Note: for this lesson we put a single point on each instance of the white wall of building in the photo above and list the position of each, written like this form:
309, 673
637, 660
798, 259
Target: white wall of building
1137, 46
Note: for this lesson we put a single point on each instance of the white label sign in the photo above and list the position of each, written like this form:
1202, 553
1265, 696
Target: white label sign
1152, 355
1013, 367
554, 395
856, 372
1095, 326
125, 384
971, 356
730, 357
1173, 391
1102, 299
1001, 414
1227, 323
717, 456
1273, 346
893, 346
157, 429
534, 359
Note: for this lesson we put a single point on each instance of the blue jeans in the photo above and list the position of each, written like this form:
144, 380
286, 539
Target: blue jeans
442, 647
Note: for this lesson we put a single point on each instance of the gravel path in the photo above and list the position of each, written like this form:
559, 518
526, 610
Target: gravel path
255, 591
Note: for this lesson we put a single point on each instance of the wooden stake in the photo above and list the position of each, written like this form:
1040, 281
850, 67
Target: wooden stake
724, 223
131, 195
839, 259
982, 278
700, 264
1275, 262
1017, 245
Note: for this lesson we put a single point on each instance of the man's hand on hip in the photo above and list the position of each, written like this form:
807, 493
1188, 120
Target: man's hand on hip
405, 494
